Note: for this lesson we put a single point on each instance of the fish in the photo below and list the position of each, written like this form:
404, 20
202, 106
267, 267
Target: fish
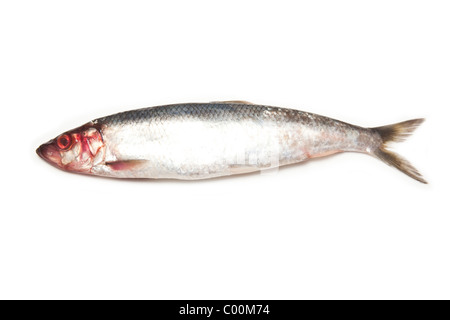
192, 141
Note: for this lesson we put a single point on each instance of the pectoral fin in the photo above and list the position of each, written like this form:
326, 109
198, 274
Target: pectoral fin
125, 164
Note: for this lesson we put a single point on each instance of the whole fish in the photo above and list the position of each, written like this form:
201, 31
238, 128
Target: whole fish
205, 140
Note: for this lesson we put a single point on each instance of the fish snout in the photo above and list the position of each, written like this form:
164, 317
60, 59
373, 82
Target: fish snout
49, 153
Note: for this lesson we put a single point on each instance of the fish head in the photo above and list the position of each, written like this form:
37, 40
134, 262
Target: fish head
77, 150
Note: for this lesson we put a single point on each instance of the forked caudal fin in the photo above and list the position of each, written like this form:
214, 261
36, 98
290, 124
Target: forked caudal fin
396, 133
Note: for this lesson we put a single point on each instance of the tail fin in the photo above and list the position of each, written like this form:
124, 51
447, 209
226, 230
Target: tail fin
396, 133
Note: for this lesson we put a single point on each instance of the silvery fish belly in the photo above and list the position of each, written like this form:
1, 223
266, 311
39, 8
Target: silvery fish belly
205, 140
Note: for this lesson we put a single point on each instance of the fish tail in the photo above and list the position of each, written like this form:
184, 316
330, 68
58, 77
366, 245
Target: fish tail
396, 133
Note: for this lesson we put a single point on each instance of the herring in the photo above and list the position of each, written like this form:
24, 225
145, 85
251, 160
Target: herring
205, 140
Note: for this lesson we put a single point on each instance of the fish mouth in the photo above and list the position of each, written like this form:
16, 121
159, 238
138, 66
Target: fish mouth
40, 152
49, 153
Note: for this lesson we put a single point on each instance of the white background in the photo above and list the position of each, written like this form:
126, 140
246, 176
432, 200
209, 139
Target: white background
347, 226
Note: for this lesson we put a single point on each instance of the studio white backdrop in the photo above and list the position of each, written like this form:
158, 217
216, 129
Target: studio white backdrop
347, 226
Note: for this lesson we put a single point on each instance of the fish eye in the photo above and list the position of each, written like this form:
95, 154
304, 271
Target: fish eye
63, 141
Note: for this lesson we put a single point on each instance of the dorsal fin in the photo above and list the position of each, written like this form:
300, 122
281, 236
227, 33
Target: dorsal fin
233, 102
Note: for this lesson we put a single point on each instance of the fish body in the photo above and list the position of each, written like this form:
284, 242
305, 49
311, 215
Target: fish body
205, 140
